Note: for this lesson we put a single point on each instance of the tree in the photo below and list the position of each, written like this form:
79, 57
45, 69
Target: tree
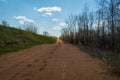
71, 27
5, 23
45, 33
100, 29
91, 22
31, 28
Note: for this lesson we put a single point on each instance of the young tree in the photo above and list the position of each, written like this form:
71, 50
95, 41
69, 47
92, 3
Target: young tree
31, 28
5, 23
45, 33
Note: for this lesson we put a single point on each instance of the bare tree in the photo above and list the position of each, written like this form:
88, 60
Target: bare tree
5, 23
98, 29
31, 28
91, 22
45, 33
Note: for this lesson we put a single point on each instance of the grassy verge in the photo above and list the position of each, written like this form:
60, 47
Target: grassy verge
110, 58
12, 39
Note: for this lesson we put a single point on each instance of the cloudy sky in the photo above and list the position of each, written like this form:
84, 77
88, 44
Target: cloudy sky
47, 15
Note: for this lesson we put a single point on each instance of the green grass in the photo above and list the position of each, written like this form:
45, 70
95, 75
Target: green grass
12, 39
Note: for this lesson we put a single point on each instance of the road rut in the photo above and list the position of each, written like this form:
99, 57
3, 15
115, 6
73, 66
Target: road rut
52, 62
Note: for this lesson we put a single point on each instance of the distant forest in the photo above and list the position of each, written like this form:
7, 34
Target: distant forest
97, 29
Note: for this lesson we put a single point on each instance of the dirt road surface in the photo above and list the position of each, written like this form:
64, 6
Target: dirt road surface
52, 62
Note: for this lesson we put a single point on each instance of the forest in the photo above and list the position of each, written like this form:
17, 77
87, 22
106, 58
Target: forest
96, 29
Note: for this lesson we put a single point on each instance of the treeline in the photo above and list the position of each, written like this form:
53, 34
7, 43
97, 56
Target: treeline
99, 29
28, 27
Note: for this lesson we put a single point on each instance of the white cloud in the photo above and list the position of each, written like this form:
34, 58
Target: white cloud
44, 15
19, 17
23, 19
100, 23
55, 20
59, 26
49, 9
21, 22
62, 24
49, 14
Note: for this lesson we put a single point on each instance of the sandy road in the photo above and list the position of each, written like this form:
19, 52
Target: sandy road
52, 62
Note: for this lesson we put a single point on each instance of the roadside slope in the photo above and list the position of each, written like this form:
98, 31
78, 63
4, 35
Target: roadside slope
12, 39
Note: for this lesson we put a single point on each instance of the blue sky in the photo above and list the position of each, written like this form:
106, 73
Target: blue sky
47, 15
